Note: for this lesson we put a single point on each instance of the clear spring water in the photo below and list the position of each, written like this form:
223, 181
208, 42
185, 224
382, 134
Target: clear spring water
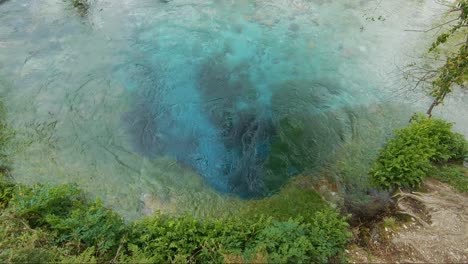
146, 96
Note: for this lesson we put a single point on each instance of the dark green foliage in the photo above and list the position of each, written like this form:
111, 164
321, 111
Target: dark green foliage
288, 155
90, 225
6, 134
7, 189
285, 242
45, 223
316, 239
453, 174
20, 243
71, 219
165, 239
406, 159
329, 234
40, 202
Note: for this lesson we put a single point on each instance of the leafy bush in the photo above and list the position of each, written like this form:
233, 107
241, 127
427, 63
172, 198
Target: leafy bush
284, 242
165, 239
57, 224
22, 244
40, 202
406, 158
7, 189
329, 234
66, 214
90, 225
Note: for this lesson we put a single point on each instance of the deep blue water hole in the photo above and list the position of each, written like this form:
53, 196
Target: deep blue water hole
215, 100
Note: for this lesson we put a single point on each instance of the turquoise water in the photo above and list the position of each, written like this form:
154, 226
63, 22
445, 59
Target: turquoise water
142, 96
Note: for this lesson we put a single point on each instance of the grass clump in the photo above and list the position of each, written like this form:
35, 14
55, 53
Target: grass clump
390, 222
409, 156
454, 174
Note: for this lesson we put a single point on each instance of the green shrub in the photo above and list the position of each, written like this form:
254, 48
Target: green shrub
318, 239
39, 202
406, 159
329, 234
7, 189
90, 225
284, 242
165, 239
45, 223
69, 217
20, 243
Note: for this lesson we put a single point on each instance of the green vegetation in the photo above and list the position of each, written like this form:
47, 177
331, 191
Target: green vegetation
453, 174
296, 198
65, 220
57, 223
407, 158
291, 140
390, 222
5, 135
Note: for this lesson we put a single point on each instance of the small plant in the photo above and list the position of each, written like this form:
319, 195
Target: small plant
390, 223
407, 158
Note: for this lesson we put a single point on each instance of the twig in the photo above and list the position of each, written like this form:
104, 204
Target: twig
425, 31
